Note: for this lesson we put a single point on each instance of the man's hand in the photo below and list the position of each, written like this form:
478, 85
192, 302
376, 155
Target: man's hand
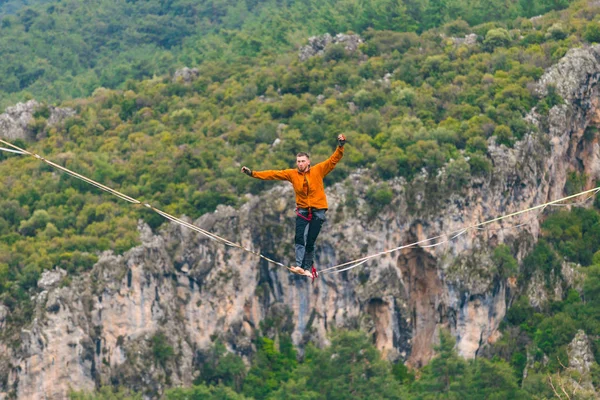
341, 140
247, 171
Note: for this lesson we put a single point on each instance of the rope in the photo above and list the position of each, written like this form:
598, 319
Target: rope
122, 196
11, 151
334, 269
474, 226
537, 214
582, 202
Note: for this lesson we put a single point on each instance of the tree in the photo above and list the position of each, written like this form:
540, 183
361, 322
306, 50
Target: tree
492, 380
444, 373
271, 367
554, 332
106, 393
161, 349
504, 261
496, 38
351, 367
294, 390
384, 14
592, 32
220, 367
202, 392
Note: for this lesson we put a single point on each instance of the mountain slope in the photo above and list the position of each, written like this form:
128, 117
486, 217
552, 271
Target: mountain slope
60, 50
442, 130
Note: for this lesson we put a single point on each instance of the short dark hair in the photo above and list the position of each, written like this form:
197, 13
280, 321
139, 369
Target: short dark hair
303, 154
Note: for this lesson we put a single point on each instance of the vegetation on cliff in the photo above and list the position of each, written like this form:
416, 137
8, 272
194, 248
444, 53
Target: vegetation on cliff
407, 103
350, 367
532, 339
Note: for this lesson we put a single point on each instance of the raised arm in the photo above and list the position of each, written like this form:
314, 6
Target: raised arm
328, 165
268, 175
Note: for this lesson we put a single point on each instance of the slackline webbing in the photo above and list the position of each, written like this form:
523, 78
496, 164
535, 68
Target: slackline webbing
424, 243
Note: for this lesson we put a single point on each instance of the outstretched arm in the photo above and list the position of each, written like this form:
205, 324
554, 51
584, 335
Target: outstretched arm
269, 175
328, 165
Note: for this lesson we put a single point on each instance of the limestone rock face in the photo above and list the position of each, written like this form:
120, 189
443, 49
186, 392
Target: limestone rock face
3, 315
14, 123
58, 115
50, 279
576, 67
186, 289
581, 359
317, 44
469, 40
580, 353
186, 75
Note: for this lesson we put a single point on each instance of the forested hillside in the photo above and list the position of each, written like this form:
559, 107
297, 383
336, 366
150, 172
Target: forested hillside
414, 99
60, 50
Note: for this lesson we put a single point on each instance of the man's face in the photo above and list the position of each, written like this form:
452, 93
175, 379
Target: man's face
303, 163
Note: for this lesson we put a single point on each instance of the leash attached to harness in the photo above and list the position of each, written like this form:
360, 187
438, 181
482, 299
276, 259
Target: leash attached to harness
313, 272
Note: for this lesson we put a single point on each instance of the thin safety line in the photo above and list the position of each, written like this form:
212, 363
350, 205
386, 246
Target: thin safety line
352, 264
474, 226
135, 201
11, 151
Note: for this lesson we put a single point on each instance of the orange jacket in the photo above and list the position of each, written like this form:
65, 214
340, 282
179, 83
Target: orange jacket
308, 186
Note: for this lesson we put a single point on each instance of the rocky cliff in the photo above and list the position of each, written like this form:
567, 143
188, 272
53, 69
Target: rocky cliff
15, 123
99, 329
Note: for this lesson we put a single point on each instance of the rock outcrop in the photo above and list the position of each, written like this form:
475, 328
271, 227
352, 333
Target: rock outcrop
318, 44
186, 75
15, 122
581, 360
190, 290
469, 40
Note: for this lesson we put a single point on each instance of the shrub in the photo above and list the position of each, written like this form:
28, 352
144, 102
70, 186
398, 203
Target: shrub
557, 32
457, 28
480, 165
592, 32
505, 263
458, 174
334, 52
378, 197
182, 117
494, 38
391, 163
503, 135
161, 349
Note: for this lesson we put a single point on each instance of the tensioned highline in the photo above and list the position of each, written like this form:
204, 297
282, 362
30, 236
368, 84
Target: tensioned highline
442, 238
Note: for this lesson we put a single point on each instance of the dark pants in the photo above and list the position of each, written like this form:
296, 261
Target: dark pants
306, 235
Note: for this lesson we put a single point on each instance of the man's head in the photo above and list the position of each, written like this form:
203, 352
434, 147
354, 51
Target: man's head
303, 161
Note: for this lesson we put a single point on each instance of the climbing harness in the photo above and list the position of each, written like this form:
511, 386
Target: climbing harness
424, 243
308, 217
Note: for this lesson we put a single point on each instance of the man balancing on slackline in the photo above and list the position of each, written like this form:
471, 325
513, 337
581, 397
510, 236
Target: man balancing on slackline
311, 201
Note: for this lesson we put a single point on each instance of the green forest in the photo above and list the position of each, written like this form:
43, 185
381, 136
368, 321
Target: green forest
55, 50
412, 98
